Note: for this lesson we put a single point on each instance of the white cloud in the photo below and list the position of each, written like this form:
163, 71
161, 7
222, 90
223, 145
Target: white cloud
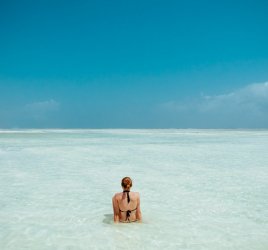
244, 107
252, 98
50, 105
39, 110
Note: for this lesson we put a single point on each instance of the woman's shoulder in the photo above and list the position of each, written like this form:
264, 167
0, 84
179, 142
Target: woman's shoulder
137, 194
117, 195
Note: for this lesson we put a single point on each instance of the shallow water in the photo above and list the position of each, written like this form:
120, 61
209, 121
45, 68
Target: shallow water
200, 189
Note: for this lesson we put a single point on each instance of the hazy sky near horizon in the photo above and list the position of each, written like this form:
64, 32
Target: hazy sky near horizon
134, 64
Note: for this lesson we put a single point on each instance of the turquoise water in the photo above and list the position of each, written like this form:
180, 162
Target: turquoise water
200, 189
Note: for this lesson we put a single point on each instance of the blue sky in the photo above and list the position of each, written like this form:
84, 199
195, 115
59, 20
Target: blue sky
134, 64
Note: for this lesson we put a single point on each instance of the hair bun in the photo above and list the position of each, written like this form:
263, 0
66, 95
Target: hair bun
126, 183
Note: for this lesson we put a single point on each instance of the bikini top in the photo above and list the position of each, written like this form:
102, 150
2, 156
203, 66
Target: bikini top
128, 212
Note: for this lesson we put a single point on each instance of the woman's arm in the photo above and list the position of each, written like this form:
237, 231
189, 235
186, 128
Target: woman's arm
116, 209
138, 212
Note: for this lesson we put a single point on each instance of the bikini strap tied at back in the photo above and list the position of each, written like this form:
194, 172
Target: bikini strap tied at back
126, 191
128, 212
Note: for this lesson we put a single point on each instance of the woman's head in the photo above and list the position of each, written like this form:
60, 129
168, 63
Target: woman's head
126, 183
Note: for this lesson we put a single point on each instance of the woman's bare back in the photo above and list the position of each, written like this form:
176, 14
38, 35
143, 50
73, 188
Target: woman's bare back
126, 207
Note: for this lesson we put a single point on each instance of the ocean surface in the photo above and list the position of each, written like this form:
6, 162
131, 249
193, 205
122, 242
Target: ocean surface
200, 189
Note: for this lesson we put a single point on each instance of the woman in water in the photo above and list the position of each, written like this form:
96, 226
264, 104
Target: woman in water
126, 204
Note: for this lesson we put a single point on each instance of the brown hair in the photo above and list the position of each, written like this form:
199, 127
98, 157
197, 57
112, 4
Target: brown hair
126, 183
